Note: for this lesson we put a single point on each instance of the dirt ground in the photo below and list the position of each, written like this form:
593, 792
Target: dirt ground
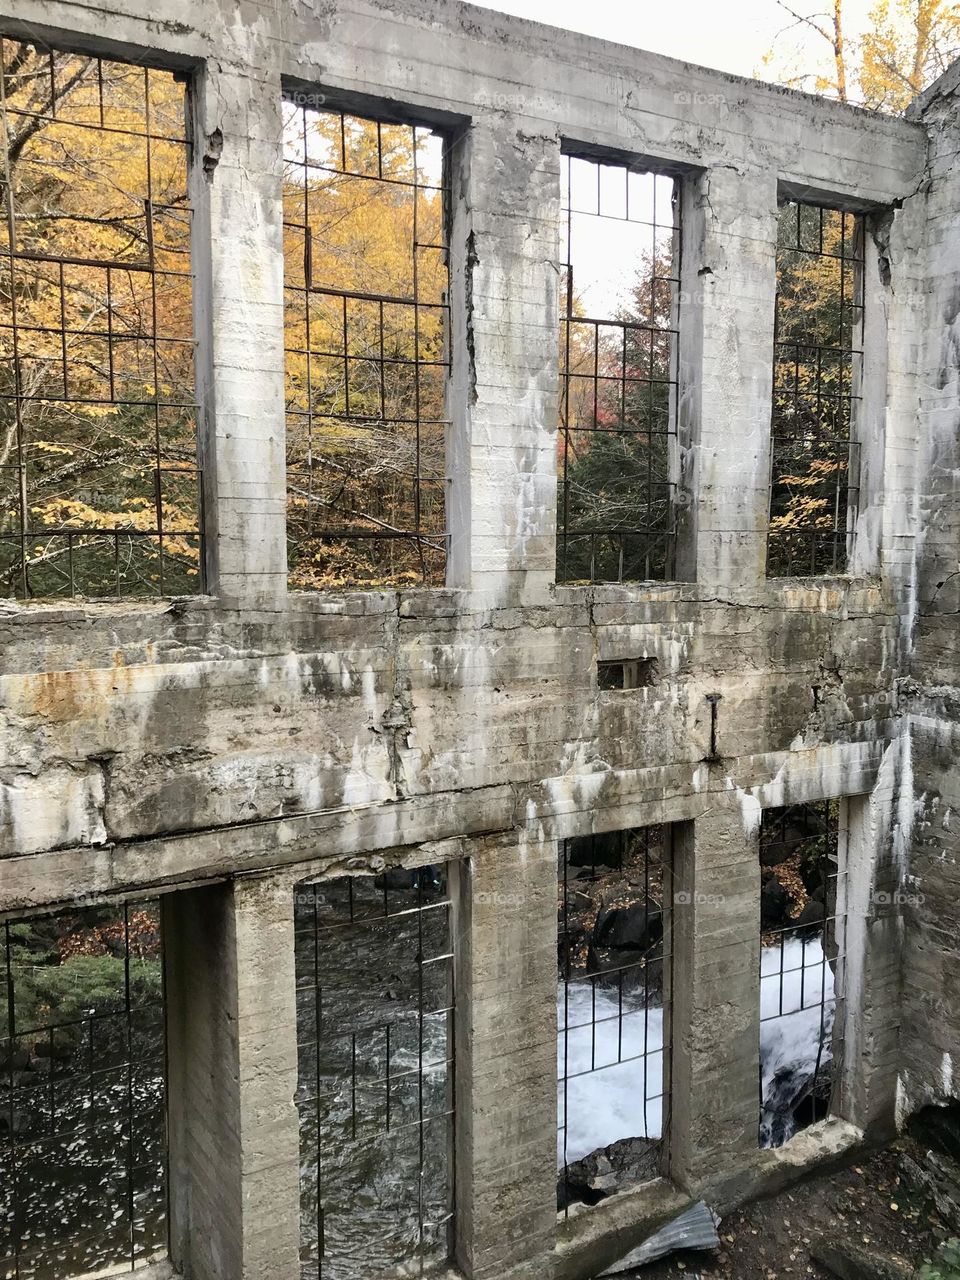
867, 1202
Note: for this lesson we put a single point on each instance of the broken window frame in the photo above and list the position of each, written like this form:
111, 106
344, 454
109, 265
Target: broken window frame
67, 543
661, 952
830, 546
832, 815
89, 1029
658, 538
371, 905
353, 528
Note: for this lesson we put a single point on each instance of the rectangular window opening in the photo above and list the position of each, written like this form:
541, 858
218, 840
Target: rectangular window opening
613, 1001
628, 673
366, 322
802, 940
99, 477
375, 1026
82, 1093
618, 450
815, 455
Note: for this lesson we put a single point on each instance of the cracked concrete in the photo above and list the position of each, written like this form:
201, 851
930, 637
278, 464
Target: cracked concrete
223, 749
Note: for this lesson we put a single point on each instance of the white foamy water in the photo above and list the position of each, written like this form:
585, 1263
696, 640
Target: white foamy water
606, 1103
798, 1036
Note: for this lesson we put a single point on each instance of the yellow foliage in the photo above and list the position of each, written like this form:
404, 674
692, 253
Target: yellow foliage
105, 358
905, 47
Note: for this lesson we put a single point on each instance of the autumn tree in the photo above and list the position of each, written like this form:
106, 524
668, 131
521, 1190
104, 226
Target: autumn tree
616, 495
905, 46
99, 488
814, 467
365, 325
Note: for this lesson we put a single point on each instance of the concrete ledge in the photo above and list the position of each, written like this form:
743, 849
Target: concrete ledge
592, 1238
824, 1146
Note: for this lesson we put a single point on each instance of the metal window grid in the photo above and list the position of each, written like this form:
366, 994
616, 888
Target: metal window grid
82, 1094
367, 315
808, 834
99, 477
375, 1030
618, 404
818, 346
596, 872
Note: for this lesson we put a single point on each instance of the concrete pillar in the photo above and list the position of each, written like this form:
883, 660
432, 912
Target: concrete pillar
716, 994
506, 1045
238, 264
232, 1054
869, 971
728, 293
504, 286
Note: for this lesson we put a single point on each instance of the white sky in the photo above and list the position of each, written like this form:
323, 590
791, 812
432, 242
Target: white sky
731, 36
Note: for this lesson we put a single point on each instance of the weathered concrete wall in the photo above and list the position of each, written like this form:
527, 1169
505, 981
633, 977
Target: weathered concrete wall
287, 736
929, 848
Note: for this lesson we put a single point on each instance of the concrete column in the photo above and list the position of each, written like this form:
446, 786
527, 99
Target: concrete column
503, 396
507, 1061
238, 265
869, 971
726, 372
716, 994
870, 412
232, 1054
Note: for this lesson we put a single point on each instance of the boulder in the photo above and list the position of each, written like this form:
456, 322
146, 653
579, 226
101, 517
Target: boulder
636, 926
630, 971
604, 850
848, 1261
774, 905
625, 1163
811, 918
938, 1127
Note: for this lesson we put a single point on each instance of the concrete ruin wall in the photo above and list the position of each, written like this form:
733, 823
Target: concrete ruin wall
927, 852
224, 748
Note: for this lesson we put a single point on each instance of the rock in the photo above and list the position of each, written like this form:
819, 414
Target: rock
936, 1130
632, 972
771, 855
849, 1261
404, 880
939, 1177
774, 905
604, 850
811, 918
17, 1059
18, 1122
637, 926
625, 1163
811, 873
939, 1128
796, 1098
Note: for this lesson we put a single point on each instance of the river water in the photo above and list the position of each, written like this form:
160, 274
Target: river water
606, 1102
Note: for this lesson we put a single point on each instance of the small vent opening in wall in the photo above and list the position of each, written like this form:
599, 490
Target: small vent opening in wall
630, 673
